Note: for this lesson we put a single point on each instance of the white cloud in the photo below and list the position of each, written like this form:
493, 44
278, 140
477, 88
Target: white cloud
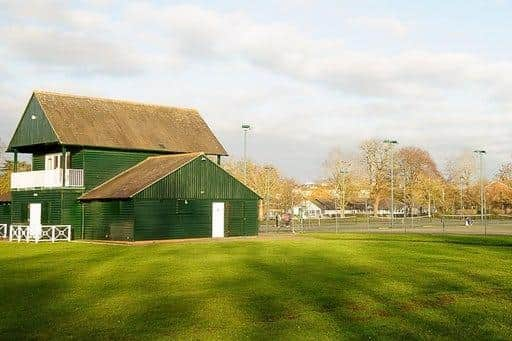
380, 25
196, 33
321, 89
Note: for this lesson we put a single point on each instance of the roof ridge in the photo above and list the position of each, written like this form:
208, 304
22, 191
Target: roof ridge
191, 156
174, 155
114, 100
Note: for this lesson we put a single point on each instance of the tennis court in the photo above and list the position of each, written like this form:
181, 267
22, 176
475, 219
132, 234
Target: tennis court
452, 224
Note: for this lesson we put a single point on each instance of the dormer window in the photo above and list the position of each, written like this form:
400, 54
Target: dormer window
54, 161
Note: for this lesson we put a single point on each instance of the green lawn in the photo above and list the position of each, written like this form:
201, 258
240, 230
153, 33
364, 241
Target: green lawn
311, 286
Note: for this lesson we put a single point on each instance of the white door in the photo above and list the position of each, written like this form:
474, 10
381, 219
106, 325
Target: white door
35, 220
218, 219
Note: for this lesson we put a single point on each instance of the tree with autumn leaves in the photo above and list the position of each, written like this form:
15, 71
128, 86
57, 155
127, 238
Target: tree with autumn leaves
277, 191
6, 169
419, 184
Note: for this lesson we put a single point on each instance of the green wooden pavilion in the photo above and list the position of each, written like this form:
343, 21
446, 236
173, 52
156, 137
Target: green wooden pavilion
125, 171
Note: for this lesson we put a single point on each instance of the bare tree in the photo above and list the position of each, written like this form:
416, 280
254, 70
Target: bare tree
419, 176
338, 170
277, 192
375, 158
460, 174
505, 173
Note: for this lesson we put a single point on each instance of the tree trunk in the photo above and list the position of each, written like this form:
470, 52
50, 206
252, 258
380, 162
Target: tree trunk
376, 203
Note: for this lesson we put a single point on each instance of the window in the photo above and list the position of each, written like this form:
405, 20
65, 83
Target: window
54, 161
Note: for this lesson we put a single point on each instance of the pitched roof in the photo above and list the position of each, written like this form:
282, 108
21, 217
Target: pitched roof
139, 177
324, 204
5, 197
100, 122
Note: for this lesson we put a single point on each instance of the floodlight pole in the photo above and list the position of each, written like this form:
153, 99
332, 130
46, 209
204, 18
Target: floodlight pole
461, 195
481, 154
267, 193
245, 128
343, 173
391, 143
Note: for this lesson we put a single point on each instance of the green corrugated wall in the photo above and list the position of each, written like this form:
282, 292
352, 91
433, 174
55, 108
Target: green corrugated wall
101, 165
59, 207
172, 218
38, 162
33, 131
241, 217
108, 220
199, 179
5, 213
157, 212
180, 218
180, 205
102, 220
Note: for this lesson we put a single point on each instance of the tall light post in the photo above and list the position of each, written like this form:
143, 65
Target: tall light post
480, 154
267, 169
245, 127
391, 143
461, 195
343, 173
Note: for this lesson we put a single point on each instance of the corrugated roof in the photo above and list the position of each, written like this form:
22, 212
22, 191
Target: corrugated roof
139, 177
99, 122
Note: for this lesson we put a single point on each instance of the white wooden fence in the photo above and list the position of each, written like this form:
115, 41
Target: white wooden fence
3, 231
49, 233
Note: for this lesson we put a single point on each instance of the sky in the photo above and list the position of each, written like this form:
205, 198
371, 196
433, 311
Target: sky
308, 76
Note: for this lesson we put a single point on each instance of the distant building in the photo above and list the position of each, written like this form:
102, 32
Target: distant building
325, 208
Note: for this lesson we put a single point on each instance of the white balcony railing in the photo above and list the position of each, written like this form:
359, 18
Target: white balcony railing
47, 179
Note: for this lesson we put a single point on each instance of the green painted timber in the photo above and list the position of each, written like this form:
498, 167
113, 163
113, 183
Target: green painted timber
33, 128
58, 207
181, 218
108, 220
177, 206
102, 165
38, 162
99, 165
199, 179
180, 204
5, 213
172, 218
241, 218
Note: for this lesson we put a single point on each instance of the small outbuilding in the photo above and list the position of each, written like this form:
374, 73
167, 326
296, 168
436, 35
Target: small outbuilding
171, 196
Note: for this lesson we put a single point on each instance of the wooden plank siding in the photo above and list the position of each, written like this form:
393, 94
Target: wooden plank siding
108, 220
5, 213
199, 179
101, 165
181, 218
33, 128
58, 206
180, 205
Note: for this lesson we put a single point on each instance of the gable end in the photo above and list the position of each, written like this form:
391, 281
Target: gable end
200, 178
34, 128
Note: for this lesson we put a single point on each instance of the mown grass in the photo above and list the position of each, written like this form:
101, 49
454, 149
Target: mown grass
321, 286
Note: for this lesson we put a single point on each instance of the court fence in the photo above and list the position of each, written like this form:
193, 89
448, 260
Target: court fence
455, 224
